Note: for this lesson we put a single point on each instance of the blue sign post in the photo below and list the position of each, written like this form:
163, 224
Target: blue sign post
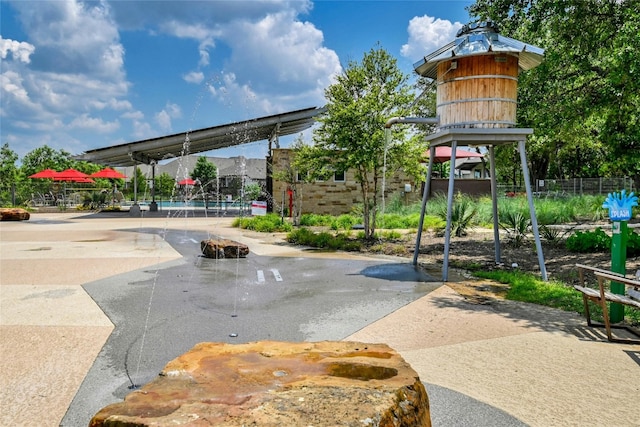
620, 206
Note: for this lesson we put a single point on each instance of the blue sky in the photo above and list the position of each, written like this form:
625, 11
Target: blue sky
79, 75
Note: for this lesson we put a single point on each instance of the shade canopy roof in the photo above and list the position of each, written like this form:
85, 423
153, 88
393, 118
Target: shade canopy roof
443, 154
201, 140
480, 38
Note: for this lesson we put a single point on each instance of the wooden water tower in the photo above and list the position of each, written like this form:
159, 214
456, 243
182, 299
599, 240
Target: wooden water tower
476, 100
477, 77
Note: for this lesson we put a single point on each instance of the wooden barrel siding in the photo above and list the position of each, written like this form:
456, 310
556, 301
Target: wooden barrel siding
480, 92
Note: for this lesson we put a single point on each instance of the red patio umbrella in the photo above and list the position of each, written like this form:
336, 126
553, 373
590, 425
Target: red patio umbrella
71, 175
108, 173
82, 180
187, 181
443, 154
44, 174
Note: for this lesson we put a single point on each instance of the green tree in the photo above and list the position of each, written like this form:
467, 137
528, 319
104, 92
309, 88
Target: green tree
45, 157
9, 174
165, 185
351, 135
583, 100
42, 158
140, 180
205, 172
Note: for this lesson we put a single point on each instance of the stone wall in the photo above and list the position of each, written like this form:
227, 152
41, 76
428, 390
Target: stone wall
336, 198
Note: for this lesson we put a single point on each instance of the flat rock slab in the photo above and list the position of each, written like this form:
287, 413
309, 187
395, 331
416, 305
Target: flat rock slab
271, 383
223, 248
14, 214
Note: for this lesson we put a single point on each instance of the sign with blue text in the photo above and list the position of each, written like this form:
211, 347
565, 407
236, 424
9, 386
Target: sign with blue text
620, 205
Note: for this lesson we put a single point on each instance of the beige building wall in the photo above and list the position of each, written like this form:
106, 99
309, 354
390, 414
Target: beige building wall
336, 198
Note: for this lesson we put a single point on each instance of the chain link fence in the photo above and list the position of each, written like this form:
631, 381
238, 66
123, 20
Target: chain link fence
574, 186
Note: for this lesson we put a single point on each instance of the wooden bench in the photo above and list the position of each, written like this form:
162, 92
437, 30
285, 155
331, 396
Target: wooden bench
602, 295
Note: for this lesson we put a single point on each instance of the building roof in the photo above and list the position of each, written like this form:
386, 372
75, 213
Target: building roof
480, 39
165, 147
255, 169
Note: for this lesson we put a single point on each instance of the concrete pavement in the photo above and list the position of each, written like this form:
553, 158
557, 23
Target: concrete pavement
67, 280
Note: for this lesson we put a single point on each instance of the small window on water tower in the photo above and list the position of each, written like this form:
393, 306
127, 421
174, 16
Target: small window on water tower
338, 176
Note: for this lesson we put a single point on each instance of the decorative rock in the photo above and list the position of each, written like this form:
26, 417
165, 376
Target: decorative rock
14, 214
223, 248
269, 383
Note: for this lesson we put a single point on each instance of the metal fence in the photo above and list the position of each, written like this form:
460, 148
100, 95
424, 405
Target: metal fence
575, 186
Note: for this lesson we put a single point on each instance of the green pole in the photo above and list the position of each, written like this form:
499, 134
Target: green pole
618, 261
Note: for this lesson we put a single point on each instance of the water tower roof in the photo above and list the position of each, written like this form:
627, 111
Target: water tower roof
480, 38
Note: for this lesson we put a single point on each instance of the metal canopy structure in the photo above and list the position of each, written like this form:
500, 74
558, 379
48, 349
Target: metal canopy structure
150, 151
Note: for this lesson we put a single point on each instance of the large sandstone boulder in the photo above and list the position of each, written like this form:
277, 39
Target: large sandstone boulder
271, 383
223, 248
14, 214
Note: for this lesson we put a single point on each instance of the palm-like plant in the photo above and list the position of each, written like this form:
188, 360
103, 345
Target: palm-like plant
517, 226
463, 212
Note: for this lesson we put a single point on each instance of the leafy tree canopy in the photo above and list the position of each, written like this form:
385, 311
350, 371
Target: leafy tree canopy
205, 172
351, 135
583, 100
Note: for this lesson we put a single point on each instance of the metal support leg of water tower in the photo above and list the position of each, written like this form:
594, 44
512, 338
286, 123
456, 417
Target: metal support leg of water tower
532, 210
447, 231
425, 197
494, 203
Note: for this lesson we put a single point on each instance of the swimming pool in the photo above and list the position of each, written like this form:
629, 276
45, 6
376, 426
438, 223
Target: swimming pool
190, 204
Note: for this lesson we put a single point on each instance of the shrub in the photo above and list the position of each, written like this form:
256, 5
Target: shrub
391, 235
344, 222
323, 240
267, 224
633, 244
599, 241
589, 241
390, 221
315, 220
301, 236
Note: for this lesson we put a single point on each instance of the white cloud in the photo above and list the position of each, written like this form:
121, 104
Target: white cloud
141, 130
70, 71
93, 124
282, 59
233, 94
426, 34
20, 51
71, 68
74, 37
13, 89
113, 104
194, 77
133, 115
294, 65
164, 117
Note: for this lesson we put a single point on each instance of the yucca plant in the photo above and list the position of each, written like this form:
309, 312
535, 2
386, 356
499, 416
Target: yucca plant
517, 226
462, 213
